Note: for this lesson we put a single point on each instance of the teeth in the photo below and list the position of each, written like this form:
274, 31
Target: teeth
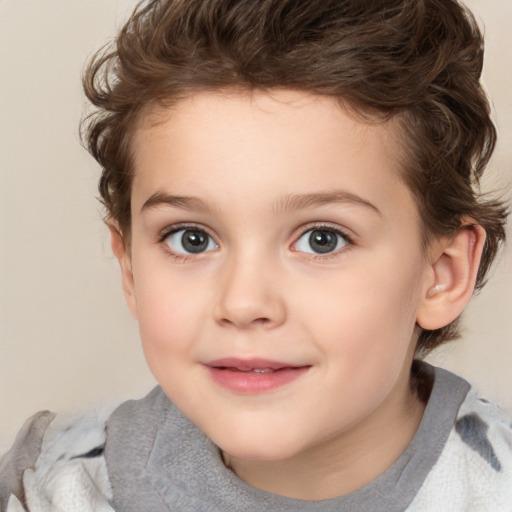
249, 370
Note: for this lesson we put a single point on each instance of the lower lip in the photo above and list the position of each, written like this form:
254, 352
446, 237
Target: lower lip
252, 383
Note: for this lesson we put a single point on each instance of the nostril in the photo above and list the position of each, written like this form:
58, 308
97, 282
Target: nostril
241, 323
261, 321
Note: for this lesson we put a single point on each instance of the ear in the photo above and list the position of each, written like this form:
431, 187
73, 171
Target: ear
451, 282
122, 253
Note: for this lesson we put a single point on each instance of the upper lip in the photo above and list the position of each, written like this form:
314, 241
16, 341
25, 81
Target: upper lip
251, 364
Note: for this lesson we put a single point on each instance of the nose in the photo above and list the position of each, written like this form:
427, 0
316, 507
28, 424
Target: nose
250, 296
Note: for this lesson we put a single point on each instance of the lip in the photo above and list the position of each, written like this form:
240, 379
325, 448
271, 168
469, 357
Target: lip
253, 376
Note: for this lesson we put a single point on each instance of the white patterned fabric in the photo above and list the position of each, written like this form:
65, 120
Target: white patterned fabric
460, 460
69, 474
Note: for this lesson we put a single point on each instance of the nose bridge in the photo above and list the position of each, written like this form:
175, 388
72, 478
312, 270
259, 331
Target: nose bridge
249, 293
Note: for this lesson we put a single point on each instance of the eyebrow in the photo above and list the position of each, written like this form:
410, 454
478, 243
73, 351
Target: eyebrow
184, 202
292, 202
303, 201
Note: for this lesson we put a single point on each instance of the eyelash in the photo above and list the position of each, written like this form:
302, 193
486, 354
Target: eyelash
167, 232
348, 239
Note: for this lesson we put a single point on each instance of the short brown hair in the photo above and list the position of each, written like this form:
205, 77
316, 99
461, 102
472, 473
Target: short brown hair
418, 60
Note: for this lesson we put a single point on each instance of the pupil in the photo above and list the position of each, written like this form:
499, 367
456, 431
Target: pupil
194, 241
323, 241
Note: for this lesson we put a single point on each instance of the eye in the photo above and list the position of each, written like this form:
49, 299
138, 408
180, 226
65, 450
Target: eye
190, 241
321, 241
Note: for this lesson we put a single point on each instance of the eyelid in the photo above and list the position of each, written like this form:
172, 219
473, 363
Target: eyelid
327, 226
174, 228
178, 256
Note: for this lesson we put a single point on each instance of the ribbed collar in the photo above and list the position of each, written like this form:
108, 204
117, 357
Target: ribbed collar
159, 461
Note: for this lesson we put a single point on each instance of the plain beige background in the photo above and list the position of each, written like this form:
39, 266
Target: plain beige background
67, 341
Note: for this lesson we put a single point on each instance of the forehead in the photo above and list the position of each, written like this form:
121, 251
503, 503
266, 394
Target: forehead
293, 113
263, 142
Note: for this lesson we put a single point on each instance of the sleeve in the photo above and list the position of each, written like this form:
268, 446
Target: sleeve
22, 456
474, 471
57, 463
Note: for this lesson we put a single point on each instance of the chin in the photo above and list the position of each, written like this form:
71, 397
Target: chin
259, 450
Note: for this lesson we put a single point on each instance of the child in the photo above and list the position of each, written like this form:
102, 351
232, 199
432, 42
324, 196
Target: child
290, 188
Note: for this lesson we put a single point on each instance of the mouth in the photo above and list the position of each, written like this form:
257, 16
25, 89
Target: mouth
252, 376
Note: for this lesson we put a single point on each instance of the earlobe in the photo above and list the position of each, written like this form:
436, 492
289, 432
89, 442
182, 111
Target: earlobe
452, 279
122, 255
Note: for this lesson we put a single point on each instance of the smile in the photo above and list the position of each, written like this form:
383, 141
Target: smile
253, 376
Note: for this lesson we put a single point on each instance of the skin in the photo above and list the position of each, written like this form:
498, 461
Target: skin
259, 172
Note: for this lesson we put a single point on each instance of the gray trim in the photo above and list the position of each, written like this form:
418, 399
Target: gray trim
159, 461
23, 454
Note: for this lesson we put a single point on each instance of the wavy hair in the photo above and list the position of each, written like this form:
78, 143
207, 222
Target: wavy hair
417, 60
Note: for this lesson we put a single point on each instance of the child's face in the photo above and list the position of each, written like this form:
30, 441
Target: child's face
276, 270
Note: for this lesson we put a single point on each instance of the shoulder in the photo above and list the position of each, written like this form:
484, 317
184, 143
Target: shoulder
57, 462
484, 431
474, 470
482, 437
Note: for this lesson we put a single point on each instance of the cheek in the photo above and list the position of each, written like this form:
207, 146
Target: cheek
365, 315
364, 333
170, 313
